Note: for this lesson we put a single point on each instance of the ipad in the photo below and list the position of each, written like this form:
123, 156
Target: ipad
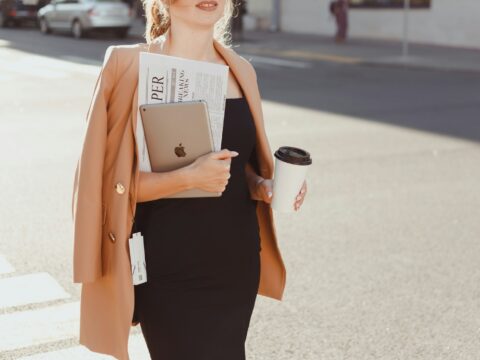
177, 133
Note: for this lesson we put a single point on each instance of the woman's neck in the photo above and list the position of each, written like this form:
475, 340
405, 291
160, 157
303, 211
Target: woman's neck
195, 44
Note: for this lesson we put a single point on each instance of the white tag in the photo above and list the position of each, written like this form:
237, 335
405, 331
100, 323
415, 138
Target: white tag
137, 259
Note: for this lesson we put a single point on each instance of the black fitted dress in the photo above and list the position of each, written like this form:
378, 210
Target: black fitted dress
203, 261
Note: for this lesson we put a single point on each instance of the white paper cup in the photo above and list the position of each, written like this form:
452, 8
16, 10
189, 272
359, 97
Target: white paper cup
291, 166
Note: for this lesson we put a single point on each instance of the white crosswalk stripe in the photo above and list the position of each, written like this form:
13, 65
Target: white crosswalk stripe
23, 329
136, 347
5, 266
30, 289
35, 327
280, 62
74, 353
44, 67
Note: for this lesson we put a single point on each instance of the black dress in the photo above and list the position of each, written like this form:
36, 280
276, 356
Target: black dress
203, 261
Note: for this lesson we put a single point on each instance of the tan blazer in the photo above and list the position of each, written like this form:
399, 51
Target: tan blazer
104, 199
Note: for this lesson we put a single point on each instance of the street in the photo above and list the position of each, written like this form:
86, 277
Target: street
382, 258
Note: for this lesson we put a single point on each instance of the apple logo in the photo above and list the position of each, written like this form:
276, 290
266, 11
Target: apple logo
180, 151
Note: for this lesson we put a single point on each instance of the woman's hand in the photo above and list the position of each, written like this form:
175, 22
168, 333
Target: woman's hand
210, 172
301, 196
264, 192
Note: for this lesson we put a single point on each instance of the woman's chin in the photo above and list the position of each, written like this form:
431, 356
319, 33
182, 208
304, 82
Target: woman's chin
205, 24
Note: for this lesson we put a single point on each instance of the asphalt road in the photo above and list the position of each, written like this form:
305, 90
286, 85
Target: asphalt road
382, 259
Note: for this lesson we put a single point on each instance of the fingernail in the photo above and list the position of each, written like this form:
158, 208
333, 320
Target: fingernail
303, 190
298, 198
235, 153
269, 194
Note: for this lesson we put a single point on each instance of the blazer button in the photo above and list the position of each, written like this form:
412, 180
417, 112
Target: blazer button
111, 236
120, 188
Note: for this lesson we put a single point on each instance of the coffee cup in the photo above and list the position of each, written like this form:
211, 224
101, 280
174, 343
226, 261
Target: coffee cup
291, 165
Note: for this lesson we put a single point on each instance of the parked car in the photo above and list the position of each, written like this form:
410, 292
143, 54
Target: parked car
82, 16
17, 12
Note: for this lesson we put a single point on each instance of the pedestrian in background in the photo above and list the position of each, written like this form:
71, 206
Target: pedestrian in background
339, 9
237, 19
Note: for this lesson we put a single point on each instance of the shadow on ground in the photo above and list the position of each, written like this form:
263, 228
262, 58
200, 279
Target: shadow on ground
444, 102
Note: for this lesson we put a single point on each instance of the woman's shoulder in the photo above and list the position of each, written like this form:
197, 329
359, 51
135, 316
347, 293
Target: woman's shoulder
124, 56
128, 49
244, 63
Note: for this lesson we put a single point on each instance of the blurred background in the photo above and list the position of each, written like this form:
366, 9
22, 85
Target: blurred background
383, 257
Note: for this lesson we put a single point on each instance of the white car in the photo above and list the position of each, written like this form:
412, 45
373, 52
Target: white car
82, 16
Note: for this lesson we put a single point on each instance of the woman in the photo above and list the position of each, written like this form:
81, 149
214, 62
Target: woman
202, 254
339, 9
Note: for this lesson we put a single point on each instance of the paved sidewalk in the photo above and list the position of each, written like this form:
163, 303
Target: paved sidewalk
371, 52
355, 51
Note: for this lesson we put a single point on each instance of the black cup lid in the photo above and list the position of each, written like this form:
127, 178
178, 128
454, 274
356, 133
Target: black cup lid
293, 155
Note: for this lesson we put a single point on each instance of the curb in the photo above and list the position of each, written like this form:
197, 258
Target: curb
418, 63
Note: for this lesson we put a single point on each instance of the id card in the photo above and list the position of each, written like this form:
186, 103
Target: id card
137, 259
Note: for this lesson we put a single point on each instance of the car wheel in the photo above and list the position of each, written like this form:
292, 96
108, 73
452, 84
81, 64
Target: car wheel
44, 28
122, 33
77, 30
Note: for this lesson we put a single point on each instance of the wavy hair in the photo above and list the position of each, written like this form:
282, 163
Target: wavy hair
158, 21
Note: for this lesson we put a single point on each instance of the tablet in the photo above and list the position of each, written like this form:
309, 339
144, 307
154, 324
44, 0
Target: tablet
176, 134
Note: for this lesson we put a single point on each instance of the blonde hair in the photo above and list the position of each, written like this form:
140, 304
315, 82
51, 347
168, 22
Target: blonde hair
158, 21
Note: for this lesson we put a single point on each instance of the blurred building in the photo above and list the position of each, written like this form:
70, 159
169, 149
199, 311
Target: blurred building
442, 22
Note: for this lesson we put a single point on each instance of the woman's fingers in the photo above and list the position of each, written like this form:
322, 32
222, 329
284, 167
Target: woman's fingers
266, 190
301, 196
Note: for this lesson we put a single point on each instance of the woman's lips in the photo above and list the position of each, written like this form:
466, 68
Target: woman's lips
207, 5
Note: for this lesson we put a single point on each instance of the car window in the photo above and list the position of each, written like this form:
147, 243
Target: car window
28, 2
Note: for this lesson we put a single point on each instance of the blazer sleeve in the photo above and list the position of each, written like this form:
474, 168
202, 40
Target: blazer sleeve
262, 159
87, 202
272, 281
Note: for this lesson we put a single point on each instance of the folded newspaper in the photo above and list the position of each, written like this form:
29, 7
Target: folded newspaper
165, 78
